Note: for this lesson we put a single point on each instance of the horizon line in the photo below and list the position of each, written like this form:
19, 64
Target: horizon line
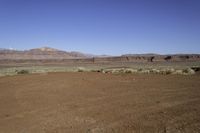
144, 53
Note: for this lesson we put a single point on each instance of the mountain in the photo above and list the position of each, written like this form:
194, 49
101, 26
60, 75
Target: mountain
40, 53
55, 54
45, 49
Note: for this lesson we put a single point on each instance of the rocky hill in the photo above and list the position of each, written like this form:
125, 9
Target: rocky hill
39, 53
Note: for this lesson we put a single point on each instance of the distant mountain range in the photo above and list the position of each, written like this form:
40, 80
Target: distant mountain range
55, 54
41, 53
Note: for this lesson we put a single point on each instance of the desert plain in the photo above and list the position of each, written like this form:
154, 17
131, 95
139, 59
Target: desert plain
91, 102
126, 94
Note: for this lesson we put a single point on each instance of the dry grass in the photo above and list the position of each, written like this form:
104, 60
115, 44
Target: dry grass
113, 70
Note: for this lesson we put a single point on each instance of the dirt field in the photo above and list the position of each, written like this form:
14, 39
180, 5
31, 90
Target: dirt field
99, 103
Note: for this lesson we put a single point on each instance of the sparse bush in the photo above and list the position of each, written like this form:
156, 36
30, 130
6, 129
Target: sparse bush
124, 70
93, 70
196, 68
118, 70
178, 72
81, 69
127, 71
130, 70
167, 71
155, 71
98, 71
22, 71
164, 71
188, 71
103, 71
106, 70
146, 71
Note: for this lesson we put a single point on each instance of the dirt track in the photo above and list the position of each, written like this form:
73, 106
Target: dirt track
95, 103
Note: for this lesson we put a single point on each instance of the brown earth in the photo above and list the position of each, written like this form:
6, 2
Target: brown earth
99, 103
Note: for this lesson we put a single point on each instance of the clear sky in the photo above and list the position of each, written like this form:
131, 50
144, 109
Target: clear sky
110, 27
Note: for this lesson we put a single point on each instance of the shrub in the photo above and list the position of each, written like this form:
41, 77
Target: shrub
195, 68
129, 70
114, 71
155, 71
188, 71
81, 69
146, 71
95, 70
167, 71
178, 72
22, 71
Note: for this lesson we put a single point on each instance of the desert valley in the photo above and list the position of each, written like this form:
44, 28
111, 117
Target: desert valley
46, 90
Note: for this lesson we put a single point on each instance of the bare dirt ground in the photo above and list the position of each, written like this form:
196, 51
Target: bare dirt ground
99, 103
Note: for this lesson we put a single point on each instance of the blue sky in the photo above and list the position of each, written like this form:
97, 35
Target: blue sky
110, 27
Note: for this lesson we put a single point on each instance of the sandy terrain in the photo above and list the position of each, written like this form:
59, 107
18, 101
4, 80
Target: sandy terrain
99, 103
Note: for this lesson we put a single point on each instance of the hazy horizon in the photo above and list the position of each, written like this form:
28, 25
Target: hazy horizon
105, 27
